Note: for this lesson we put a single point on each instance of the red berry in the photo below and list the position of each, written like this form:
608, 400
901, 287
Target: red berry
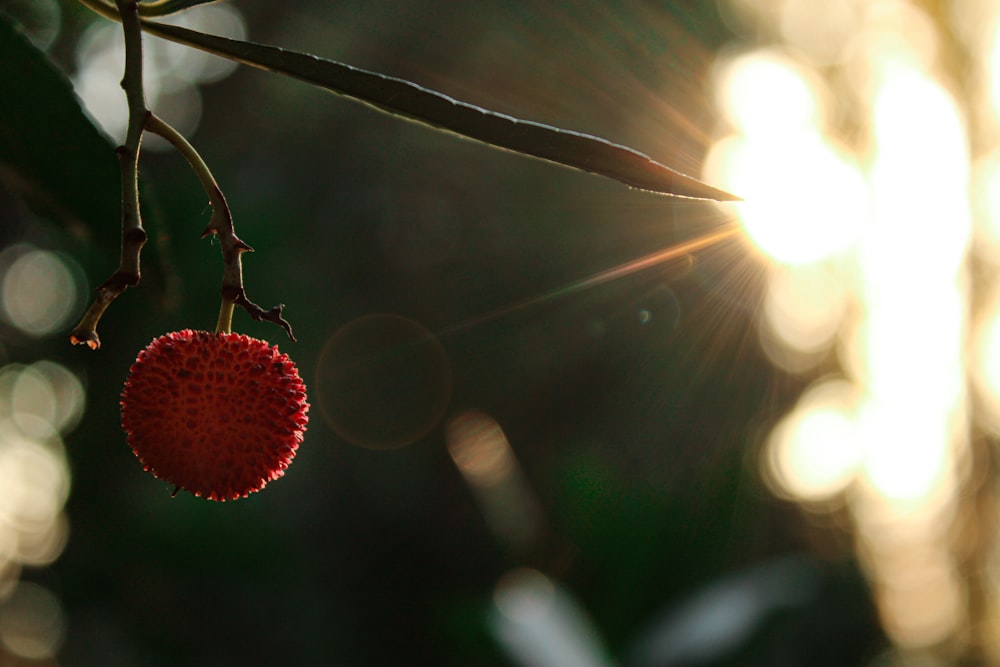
219, 415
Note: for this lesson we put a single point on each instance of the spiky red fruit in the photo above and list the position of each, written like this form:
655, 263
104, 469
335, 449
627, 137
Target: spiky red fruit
219, 415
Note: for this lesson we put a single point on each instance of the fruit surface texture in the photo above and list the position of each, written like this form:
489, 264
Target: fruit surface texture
216, 414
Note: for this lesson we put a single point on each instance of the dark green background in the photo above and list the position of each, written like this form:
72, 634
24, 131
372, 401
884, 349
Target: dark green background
640, 438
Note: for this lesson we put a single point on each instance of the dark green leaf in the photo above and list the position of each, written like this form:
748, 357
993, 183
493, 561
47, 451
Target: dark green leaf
428, 107
50, 150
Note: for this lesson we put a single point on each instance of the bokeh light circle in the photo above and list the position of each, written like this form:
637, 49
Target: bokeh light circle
814, 452
383, 381
171, 72
768, 93
32, 622
38, 290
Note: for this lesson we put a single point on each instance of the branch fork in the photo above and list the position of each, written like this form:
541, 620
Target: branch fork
128, 273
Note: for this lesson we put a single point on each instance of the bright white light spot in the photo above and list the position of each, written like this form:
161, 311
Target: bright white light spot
765, 93
34, 483
815, 451
909, 157
805, 201
38, 292
906, 448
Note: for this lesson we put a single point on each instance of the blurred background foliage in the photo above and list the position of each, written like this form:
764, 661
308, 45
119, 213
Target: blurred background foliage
575, 472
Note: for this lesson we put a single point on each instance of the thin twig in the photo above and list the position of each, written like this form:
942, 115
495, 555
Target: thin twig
165, 7
221, 224
133, 234
102, 7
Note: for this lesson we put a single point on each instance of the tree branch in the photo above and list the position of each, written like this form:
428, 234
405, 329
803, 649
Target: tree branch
133, 234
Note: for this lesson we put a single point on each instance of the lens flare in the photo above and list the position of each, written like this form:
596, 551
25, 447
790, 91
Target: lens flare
383, 381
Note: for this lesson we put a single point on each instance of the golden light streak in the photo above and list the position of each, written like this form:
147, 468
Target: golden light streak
677, 251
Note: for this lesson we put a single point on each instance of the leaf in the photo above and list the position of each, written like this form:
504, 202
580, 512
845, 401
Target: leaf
50, 151
428, 107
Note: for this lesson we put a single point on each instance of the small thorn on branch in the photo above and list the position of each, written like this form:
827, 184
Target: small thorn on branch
260, 315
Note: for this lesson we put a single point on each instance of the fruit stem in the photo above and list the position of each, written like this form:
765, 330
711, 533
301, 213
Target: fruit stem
225, 324
221, 224
157, 125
